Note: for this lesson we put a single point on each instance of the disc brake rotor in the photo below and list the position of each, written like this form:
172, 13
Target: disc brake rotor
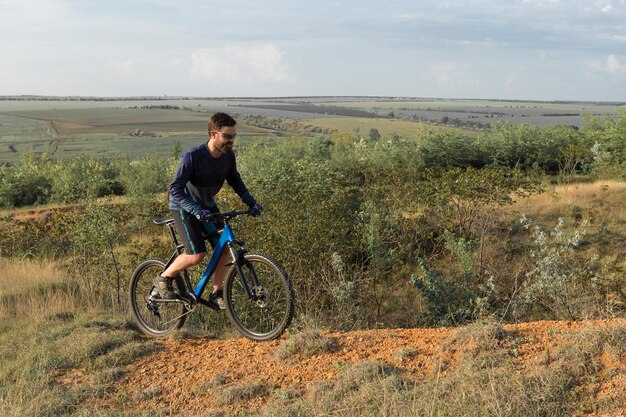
260, 296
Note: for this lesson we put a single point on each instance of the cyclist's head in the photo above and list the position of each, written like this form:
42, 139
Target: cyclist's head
219, 120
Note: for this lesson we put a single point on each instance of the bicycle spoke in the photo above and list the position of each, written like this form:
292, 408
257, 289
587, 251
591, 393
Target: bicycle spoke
153, 317
269, 311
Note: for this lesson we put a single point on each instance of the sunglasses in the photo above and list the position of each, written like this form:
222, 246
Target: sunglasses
227, 136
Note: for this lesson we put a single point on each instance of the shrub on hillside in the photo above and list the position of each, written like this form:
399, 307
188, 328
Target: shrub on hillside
606, 134
445, 149
558, 280
84, 178
148, 175
25, 183
449, 302
462, 198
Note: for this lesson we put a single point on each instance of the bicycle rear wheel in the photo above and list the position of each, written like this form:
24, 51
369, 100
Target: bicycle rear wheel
268, 313
153, 317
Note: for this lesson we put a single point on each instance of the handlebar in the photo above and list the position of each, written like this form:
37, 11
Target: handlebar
225, 217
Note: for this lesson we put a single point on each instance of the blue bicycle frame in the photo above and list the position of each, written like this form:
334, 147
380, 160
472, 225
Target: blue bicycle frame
227, 240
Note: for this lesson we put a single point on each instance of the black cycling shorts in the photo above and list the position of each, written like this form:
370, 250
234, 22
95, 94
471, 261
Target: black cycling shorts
193, 232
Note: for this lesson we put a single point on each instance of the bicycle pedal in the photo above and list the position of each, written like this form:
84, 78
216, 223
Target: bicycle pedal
210, 302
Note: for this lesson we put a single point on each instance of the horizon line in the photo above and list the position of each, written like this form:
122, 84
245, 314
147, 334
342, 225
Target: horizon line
41, 97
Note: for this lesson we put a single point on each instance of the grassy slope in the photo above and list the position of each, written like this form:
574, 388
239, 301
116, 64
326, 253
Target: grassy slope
54, 355
600, 204
67, 363
59, 359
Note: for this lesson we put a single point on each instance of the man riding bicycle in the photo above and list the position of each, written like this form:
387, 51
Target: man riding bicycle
200, 176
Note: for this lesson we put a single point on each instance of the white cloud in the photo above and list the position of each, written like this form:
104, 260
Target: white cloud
612, 64
246, 64
607, 8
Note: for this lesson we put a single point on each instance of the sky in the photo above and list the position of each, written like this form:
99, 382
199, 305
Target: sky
483, 49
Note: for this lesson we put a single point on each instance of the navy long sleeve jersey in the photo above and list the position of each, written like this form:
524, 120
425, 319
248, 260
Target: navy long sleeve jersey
200, 177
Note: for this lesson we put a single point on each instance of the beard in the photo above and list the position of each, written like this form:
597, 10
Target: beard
225, 147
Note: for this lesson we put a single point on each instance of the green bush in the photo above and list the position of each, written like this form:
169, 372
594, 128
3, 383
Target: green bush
149, 175
449, 302
557, 279
606, 137
25, 183
84, 178
444, 149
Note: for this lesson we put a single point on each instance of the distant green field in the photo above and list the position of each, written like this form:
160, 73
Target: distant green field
479, 104
126, 128
487, 111
70, 129
386, 127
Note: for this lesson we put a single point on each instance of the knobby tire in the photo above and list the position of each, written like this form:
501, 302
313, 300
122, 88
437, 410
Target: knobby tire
267, 317
167, 317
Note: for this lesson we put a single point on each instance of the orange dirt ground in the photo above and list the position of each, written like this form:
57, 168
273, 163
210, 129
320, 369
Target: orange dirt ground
179, 376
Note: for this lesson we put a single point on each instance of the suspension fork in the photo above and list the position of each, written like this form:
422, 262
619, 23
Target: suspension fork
237, 253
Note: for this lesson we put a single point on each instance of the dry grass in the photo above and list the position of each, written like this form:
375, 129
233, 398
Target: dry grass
583, 354
20, 275
242, 392
50, 364
405, 129
475, 388
599, 206
610, 195
479, 335
30, 286
304, 344
485, 383
363, 389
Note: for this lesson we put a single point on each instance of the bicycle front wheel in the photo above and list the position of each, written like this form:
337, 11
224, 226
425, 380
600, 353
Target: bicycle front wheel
266, 311
153, 316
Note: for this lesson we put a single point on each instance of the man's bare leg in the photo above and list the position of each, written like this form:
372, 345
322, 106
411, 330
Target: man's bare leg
163, 282
182, 261
185, 260
220, 271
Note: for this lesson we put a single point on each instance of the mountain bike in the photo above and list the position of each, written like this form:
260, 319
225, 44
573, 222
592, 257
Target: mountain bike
258, 294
